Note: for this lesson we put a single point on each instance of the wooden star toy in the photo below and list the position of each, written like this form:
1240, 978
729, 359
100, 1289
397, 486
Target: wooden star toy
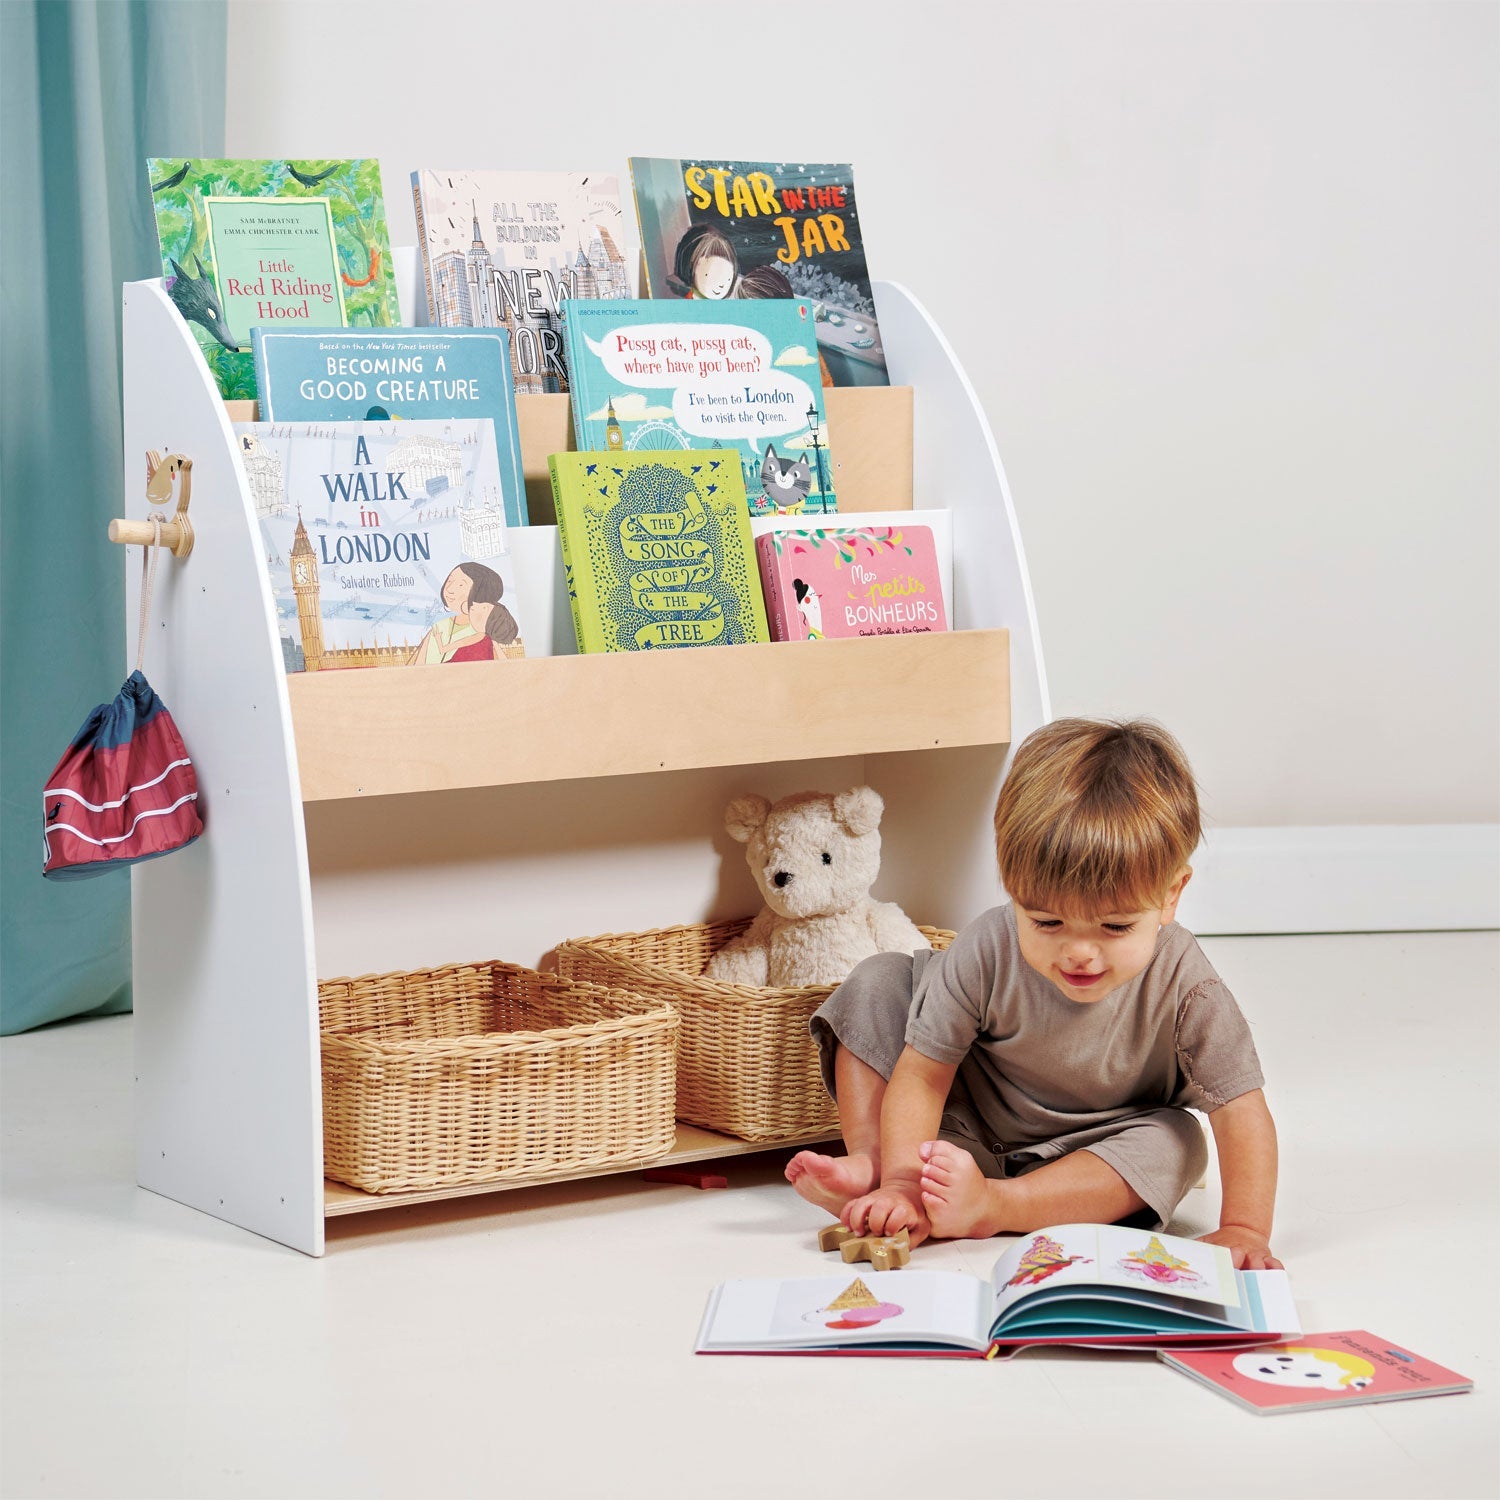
885, 1252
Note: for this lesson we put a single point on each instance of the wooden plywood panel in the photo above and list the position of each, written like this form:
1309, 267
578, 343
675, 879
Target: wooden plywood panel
374, 733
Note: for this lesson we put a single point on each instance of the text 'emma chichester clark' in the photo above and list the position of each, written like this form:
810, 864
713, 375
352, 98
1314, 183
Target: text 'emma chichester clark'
367, 488
733, 196
296, 293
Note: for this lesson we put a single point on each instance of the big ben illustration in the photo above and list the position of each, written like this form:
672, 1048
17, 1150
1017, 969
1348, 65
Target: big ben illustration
614, 439
304, 565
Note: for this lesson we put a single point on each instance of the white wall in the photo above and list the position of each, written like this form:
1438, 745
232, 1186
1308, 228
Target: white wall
1223, 275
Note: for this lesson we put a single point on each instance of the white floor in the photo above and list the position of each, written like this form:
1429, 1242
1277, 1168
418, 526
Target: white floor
538, 1343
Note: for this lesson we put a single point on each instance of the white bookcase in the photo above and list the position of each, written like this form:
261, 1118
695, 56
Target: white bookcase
377, 820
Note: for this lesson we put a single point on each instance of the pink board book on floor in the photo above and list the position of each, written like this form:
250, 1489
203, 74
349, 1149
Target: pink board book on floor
826, 583
1317, 1370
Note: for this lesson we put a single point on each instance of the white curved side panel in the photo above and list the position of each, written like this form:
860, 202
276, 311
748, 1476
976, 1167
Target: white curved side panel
228, 1096
939, 857
958, 465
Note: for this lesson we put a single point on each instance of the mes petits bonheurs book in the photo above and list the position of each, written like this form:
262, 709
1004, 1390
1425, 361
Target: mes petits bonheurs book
1099, 1285
386, 542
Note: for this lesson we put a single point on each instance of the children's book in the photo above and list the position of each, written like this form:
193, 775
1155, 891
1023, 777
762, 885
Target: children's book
823, 584
655, 377
386, 542
656, 550
503, 249
935, 518
286, 244
1318, 1370
345, 375
755, 229
1098, 1285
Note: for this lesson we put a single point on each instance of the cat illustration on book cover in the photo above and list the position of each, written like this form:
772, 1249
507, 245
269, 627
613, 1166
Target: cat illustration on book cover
787, 481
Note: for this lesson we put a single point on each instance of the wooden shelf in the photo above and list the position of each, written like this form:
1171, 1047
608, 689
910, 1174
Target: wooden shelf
693, 1144
376, 733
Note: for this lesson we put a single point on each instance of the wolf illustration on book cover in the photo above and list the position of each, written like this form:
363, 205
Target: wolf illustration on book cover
289, 244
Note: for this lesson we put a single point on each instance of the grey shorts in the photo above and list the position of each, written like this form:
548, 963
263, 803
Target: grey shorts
1160, 1153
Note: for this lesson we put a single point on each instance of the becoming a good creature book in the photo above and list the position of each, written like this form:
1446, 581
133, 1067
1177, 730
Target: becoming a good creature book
386, 542
1092, 1284
1318, 1370
503, 249
344, 375
287, 244
742, 377
824, 584
656, 550
753, 229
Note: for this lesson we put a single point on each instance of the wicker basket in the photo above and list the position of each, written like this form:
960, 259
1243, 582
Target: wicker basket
746, 1065
489, 1072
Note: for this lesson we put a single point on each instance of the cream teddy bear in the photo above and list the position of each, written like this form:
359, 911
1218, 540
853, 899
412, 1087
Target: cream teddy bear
814, 857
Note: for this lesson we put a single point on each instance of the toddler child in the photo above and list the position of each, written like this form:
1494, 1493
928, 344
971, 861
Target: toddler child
1041, 1069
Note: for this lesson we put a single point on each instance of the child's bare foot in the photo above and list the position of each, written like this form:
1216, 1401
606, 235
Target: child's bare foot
830, 1181
958, 1197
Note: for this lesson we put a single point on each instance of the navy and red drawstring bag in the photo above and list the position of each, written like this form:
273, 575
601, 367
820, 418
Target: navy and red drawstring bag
125, 789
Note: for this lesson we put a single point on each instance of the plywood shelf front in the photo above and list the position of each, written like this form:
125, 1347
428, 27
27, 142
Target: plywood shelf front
692, 1144
379, 733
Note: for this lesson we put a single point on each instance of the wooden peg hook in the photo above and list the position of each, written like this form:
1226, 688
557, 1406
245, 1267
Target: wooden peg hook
176, 533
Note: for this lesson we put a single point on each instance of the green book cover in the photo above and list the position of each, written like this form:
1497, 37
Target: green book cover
657, 550
276, 244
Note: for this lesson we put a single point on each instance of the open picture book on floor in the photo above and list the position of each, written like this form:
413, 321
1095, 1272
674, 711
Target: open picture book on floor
1093, 1284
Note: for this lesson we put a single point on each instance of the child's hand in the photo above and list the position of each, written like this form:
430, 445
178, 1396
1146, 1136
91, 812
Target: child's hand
889, 1210
1251, 1249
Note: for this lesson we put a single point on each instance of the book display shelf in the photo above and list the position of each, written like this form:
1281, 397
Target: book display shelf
375, 820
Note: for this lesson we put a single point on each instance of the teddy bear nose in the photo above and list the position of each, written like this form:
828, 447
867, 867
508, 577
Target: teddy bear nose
781, 878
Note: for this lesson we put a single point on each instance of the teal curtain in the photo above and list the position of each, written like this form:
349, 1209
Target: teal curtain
89, 92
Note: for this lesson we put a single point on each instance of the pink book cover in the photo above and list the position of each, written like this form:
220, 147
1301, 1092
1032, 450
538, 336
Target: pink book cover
826, 583
1318, 1370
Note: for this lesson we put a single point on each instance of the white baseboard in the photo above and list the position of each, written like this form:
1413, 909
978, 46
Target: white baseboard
1423, 877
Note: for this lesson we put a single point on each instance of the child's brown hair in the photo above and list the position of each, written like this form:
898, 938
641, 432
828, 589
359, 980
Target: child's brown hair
1096, 816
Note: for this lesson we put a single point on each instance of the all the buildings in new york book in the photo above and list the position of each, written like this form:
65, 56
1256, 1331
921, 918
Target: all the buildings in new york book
504, 249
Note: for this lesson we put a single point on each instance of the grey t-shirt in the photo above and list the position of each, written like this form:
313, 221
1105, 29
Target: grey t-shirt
1040, 1066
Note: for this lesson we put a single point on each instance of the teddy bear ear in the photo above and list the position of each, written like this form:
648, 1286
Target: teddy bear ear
744, 815
858, 810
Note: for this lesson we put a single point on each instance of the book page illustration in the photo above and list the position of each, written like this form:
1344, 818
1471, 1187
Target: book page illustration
1153, 1262
854, 1307
1043, 1257
885, 1305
